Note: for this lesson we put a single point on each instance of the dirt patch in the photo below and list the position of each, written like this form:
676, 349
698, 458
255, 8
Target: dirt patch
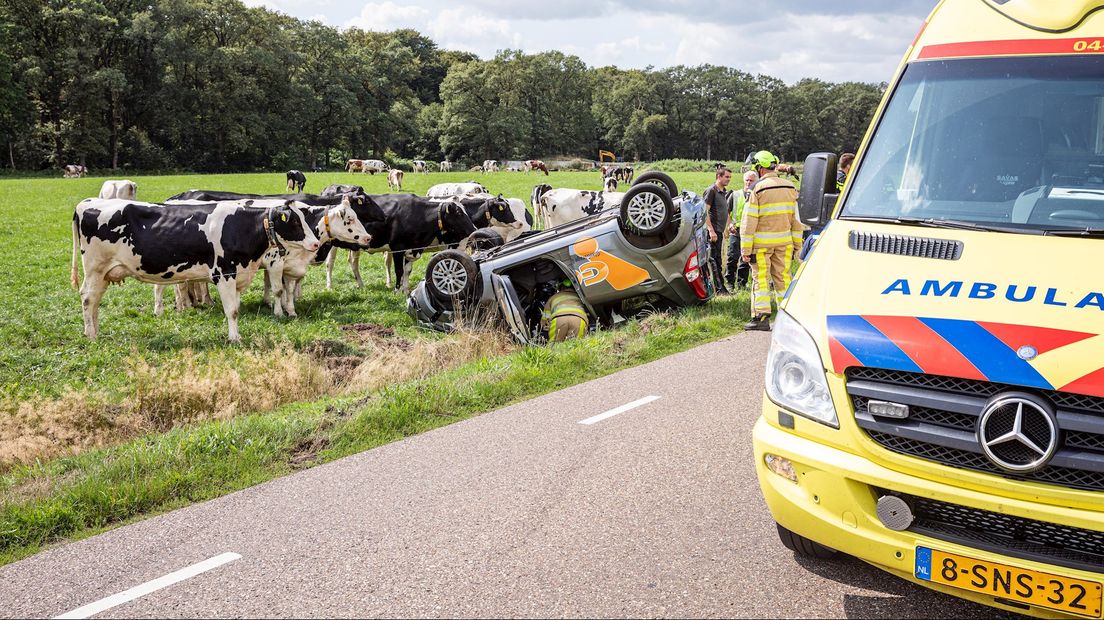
307, 451
370, 329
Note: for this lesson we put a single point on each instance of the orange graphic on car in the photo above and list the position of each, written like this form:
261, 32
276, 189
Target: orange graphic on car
601, 266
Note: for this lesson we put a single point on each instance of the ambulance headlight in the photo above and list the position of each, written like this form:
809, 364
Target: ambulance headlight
795, 373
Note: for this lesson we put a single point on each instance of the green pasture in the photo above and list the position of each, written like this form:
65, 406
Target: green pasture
40, 318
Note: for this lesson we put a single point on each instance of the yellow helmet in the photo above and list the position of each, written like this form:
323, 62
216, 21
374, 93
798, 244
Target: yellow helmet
762, 159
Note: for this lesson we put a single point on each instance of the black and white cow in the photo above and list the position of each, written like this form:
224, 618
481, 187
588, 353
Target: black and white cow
623, 174
419, 165
446, 190
559, 206
73, 171
523, 221
352, 197
372, 166
445, 166
415, 224
535, 203
341, 190
296, 181
223, 243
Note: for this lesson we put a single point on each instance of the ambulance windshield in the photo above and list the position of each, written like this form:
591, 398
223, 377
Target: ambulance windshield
1012, 143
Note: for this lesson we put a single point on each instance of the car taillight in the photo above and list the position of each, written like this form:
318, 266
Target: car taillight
692, 273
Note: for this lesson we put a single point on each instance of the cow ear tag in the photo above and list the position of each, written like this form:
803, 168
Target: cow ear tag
283, 217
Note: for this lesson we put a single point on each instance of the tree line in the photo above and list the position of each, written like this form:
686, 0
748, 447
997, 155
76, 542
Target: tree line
214, 85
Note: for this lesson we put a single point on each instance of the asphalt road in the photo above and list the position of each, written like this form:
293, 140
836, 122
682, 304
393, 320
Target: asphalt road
519, 512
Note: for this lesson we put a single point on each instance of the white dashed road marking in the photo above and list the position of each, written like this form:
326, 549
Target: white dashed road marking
139, 591
622, 409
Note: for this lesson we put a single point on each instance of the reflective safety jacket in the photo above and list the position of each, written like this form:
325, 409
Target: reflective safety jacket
564, 303
770, 216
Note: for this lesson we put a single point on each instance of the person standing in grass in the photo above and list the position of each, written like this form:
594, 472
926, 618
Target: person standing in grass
716, 201
769, 234
736, 270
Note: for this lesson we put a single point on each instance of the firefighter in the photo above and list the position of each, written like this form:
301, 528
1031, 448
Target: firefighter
564, 314
769, 234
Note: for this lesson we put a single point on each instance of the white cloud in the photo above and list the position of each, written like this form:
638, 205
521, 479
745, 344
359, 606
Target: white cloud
473, 31
387, 15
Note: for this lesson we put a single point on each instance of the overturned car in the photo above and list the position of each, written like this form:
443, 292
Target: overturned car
649, 253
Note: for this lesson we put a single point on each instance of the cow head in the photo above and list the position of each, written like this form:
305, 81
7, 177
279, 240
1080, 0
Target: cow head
500, 213
611, 184
367, 211
453, 222
289, 225
344, 225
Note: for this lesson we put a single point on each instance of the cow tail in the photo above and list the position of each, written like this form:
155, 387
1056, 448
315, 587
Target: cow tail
74, 274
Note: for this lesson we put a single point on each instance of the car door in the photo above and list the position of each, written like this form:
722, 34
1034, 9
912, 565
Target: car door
510, 306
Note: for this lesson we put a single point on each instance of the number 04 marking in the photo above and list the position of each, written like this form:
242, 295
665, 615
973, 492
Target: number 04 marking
1095, 45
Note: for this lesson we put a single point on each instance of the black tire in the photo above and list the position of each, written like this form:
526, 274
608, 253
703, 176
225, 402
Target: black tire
484, 239
655, 177
646, 210
453, 280
803, 546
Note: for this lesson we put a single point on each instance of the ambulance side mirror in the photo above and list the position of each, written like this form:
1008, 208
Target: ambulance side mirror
818, 194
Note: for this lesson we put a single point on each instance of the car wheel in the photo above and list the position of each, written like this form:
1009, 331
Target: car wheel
452, 279
803, 546
646, 209
482, 240
655, 177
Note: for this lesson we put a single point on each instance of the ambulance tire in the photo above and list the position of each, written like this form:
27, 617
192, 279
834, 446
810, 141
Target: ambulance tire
655, 177
453, 280
803, 546
646, 210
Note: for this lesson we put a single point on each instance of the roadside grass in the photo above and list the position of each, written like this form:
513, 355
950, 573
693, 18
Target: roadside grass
73, 497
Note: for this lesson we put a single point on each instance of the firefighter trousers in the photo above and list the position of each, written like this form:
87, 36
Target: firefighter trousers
770, 276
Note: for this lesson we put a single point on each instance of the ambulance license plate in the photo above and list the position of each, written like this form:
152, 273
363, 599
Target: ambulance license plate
1073, 596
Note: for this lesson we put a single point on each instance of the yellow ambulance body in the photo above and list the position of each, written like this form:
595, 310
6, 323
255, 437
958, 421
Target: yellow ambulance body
935, 387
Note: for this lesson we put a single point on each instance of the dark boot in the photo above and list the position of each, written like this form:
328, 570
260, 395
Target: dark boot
760, 323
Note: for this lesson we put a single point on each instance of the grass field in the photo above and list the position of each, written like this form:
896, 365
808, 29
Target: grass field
162, 411
40, 319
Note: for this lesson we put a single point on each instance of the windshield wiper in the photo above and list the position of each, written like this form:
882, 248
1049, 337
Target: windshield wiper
1075, 232
941, 223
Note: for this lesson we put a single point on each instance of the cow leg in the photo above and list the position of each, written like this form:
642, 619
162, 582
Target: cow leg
231, 303
398, 261
407, 268
201, 293
92, 290
330, 258
289, 296
266, 297
354, 264
158, 299
274, 279
183, 296
388, 266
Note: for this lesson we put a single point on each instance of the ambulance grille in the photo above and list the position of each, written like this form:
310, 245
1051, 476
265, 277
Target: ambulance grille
942, 424
903, 245
1017, 537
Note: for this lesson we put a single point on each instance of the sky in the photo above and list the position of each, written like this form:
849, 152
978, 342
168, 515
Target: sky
834, 40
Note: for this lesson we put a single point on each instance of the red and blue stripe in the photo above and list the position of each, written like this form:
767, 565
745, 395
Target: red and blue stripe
952, 348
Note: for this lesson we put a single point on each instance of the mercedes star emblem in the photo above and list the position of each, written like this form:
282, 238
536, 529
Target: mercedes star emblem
1018, 432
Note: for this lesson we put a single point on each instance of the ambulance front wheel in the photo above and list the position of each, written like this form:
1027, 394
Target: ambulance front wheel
803, 546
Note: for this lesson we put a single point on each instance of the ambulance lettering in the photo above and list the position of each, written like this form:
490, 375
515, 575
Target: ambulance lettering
1016, 293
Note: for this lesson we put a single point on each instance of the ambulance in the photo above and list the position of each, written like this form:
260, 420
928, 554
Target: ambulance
934, 399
